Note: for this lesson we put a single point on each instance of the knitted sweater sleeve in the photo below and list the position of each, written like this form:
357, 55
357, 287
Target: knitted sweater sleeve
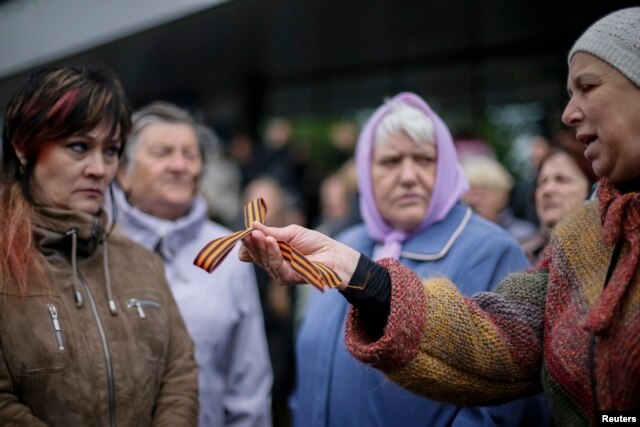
482, 350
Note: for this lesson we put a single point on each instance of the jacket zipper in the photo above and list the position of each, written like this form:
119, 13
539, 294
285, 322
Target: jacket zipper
57, 329
139, 305
107, 354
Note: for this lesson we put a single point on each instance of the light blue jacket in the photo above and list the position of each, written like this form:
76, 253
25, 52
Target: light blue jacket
222, 313
333, 389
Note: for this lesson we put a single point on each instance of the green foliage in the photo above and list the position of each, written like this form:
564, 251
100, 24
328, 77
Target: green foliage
312, 133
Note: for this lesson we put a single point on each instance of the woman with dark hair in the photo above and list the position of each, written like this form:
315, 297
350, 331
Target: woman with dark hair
89, 331
571, 327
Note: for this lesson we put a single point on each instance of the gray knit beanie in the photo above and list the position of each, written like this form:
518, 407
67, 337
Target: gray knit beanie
616, 40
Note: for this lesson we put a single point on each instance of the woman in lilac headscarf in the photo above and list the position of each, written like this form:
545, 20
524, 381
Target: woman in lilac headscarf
410, 185
407, 116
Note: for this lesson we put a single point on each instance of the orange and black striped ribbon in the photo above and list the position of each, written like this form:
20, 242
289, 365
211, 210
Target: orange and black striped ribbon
215, 251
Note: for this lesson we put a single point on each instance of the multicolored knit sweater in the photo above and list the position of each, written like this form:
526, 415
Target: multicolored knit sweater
559, 327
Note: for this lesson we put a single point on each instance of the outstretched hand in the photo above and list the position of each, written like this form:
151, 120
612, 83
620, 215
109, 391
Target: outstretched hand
261, 247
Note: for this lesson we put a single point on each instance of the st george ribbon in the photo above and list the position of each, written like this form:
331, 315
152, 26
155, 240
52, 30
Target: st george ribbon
212, 255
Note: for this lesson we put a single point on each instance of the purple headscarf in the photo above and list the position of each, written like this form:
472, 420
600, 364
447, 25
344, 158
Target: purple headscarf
450, 183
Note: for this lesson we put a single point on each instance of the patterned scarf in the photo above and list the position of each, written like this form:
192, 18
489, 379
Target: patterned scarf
620, 214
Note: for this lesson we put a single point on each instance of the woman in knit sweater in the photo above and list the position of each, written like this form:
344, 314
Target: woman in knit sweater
571, 327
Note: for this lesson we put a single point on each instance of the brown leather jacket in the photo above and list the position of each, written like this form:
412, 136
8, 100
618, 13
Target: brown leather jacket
70, 357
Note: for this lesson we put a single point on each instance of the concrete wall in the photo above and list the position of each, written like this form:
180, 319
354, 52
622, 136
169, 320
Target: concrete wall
34, 32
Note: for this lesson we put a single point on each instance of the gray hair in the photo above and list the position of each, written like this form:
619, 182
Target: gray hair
404, 118
156, 112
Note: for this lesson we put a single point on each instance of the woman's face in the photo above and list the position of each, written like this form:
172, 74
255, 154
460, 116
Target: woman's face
561, 188
403, 176
74, 173
604, 111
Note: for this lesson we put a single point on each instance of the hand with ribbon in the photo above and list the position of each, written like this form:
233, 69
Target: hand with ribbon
264, 246
291, 255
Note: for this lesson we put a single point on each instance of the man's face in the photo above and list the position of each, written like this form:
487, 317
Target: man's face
162, 177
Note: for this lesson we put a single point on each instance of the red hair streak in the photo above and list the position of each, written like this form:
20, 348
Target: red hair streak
65, 104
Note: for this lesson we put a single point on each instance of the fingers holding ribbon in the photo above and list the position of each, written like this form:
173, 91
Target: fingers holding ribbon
212, 255
315, 273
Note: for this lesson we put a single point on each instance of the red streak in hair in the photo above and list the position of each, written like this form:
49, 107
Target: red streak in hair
65, 104
19, 259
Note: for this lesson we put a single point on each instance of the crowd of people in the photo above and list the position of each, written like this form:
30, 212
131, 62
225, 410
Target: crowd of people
452, 311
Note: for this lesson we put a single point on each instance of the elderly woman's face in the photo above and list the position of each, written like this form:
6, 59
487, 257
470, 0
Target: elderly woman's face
74, 173
604, 110
403, 176
561, 188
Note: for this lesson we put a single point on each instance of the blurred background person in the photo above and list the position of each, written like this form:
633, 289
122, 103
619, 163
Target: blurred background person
521, 200
349, 176
277, 301
279, 157
335, 205
245, 155
563, 185
490, 184
410, 185
220, 180
159, 206
89, 331
343, 136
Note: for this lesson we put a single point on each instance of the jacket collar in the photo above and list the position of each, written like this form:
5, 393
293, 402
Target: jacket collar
149, 230
53, 226
435, 242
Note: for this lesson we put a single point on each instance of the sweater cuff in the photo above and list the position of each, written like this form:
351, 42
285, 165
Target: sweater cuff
402, 335
370, 293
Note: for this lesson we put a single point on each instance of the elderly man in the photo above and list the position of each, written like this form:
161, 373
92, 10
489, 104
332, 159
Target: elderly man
159, 207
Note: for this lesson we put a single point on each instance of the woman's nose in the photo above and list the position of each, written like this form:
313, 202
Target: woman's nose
572, 115
96, 166
408, 171
547, 188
